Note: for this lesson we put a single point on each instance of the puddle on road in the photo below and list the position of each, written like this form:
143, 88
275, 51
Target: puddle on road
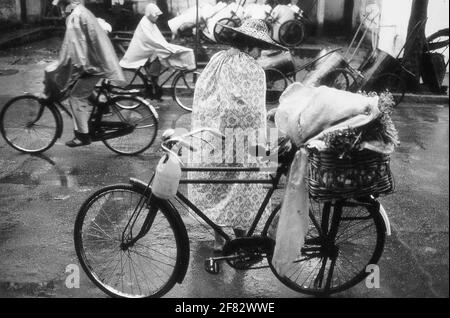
7, 72
36, 171
7, 225
45, 289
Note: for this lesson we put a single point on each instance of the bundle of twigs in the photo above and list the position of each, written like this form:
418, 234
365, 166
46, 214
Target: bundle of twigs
344, 142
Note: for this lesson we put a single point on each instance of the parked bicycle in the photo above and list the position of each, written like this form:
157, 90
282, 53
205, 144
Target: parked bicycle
281, 71
125, 124
379, 73
292, 33
131, 243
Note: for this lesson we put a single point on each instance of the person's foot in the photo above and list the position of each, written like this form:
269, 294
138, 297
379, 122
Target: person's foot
75, 142
79, 140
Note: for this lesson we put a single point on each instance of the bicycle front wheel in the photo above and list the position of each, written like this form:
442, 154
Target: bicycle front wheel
335, 256
140, 118
183, 88
148, 267
28, 125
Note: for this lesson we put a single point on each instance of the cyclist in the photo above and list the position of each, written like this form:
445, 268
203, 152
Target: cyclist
86, 56
148, 44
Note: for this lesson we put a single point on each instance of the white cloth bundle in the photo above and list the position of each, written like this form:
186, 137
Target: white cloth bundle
305, 114
256, 11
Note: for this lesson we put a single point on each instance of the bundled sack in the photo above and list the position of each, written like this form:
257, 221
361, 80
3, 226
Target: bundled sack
308, 115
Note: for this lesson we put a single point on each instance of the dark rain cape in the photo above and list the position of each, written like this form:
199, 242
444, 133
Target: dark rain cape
86, 50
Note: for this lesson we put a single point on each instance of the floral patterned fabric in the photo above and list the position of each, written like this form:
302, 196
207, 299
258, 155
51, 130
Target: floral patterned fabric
230, 97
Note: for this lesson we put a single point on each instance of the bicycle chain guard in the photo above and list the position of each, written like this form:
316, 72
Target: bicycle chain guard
248, 251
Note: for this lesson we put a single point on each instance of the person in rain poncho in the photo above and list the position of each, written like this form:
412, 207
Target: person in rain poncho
86, 56
230, 97
148, 44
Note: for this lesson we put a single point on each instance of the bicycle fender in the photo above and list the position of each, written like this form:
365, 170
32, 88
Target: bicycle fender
385, 217
380, 210
60, 120
142, 100
183, 239
152, 109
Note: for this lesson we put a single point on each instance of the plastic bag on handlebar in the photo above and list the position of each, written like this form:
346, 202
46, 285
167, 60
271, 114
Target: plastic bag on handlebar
167, 177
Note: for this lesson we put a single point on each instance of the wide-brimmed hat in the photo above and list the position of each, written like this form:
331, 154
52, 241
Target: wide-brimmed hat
258, 31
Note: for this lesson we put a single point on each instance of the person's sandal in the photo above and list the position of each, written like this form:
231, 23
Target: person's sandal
79, 140
75, 142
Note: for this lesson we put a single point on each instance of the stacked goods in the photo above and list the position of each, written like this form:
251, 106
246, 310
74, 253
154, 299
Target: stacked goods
348, 167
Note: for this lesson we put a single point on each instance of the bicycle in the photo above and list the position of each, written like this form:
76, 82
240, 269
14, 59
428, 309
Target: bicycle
292, 33
379, 73
182, 88
125, 124
131, 243
281, 72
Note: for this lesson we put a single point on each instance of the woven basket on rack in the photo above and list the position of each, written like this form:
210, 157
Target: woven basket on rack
365, 173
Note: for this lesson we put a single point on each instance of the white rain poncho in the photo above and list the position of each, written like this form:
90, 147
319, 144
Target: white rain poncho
148, 43
86, 50
306, 114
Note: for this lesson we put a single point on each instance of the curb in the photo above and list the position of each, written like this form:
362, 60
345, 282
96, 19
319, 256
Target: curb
426, 99
27, 36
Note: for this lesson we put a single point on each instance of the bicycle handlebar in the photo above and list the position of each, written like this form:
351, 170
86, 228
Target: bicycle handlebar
170, 141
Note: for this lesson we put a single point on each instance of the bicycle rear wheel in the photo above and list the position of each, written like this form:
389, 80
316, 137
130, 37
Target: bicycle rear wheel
136, 80
221, 34
130, 110
334, 259
28, 125
147, 268
276, 83
183, 88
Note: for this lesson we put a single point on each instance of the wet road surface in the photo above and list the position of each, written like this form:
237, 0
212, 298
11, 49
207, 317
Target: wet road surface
40, 197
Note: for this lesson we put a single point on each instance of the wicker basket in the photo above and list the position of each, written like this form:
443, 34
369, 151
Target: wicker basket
365, 173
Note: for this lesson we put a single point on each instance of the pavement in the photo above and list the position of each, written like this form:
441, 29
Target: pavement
40, 197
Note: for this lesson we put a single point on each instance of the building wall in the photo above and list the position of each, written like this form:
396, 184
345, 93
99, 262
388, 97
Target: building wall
9, 11
35, 9
334, 10
395, 19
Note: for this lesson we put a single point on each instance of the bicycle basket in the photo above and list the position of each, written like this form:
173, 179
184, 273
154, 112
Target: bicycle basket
362, 173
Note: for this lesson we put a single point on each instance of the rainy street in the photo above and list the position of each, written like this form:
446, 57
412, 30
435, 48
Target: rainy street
41, 195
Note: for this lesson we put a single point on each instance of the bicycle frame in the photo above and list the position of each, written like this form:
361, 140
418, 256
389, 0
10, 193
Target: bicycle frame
95, 116
273, 181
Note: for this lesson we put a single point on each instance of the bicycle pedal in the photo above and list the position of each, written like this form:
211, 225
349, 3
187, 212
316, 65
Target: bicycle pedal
212, 266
